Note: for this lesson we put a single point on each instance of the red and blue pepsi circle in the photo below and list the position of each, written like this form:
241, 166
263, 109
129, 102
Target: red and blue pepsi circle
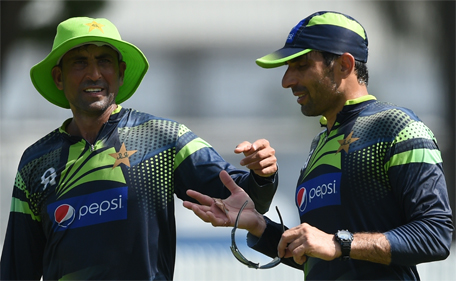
64, 215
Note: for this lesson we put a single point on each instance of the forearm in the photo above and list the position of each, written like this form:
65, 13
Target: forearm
257, 226
373, 247
268, 241
407, 245
261, 190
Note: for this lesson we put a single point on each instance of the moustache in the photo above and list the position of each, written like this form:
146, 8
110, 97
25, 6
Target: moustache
96, 84
299, 89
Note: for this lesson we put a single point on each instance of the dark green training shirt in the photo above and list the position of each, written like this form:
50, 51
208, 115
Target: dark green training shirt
379, 169
106, 211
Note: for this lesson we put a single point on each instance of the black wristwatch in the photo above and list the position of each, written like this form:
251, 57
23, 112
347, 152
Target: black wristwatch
345, 238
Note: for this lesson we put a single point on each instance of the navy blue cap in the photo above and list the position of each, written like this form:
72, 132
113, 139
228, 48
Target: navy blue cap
331, 32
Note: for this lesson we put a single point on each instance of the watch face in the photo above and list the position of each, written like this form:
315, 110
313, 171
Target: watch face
344, 235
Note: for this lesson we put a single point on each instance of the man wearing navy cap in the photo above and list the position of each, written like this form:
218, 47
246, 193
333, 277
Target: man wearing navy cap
371, 196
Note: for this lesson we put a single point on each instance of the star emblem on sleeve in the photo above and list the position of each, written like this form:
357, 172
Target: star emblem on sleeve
95, 25
122, 156
345, 143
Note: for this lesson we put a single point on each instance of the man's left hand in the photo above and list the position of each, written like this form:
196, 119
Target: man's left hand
259, 157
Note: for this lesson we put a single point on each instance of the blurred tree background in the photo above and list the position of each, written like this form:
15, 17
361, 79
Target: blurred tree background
12, 29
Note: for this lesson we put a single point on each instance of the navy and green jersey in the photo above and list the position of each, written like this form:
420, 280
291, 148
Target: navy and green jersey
378, 169
84, 211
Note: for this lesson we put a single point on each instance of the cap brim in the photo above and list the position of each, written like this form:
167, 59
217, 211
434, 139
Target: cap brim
137, 65
280, 57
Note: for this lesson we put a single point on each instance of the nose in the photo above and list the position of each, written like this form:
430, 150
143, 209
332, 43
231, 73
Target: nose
289, 79
93, 71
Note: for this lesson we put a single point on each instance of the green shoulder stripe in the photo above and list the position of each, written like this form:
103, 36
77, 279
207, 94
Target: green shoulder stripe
415, 156
189, 149
19, 206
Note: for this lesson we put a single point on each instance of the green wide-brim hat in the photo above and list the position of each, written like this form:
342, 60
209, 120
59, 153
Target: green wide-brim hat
78, 31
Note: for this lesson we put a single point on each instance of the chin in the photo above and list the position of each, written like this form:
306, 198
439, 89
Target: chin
308, 113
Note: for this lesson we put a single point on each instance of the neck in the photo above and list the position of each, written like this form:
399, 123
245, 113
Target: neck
359, 91
87, 126
331, 119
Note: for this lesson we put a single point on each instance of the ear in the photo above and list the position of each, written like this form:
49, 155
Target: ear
57, 76
347, 64
122, 67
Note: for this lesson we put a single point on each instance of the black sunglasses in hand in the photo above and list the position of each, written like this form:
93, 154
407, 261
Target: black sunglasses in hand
237, 254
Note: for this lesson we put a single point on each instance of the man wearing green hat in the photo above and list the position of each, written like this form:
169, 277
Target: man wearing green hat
371, 196
94, 199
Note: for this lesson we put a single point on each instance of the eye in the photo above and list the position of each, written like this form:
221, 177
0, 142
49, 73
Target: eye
303, 65
79, 64
105, 61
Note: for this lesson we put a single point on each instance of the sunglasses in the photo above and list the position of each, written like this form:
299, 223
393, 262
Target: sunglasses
240, 257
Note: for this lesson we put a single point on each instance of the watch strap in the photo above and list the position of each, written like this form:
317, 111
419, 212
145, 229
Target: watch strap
344, 238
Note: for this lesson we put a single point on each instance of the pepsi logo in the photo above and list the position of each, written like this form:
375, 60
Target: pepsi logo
301, 198
90, 209
318, 192
64, 215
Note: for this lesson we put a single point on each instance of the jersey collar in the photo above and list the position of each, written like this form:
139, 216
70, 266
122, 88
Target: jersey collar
350, 107
113, 116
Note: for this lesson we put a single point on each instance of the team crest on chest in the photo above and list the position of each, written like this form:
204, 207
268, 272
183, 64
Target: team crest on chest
345, 143
122, 156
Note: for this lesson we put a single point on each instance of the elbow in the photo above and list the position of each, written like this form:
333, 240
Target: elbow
443, 252
411, 247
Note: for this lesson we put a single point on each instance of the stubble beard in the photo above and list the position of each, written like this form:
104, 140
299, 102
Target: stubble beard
326, 96
98, 108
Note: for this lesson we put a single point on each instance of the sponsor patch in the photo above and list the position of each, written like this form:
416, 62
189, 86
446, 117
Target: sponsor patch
90, 209
318, 192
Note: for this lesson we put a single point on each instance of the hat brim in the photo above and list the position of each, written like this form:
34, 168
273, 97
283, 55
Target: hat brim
137, 66
280, 57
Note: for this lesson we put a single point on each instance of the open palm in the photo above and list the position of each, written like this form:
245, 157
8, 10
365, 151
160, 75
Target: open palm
224, 212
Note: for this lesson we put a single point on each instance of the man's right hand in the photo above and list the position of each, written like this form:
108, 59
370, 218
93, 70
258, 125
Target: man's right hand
224, 212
